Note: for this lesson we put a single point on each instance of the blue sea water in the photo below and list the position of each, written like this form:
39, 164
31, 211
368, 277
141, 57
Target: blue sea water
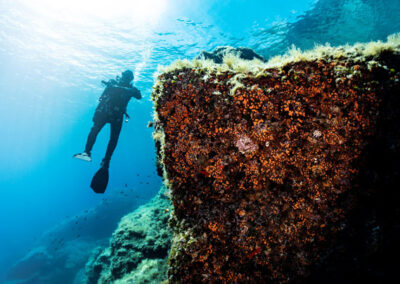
53, 55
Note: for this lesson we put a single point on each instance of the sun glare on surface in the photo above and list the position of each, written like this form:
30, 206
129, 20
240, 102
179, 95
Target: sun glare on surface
139, 10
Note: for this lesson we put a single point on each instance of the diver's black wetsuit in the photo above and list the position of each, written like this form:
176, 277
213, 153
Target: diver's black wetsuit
111, 109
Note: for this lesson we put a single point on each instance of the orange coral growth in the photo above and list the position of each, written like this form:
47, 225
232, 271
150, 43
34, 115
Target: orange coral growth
265, 177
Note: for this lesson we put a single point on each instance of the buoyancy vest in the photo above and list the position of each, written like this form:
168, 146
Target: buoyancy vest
113, 102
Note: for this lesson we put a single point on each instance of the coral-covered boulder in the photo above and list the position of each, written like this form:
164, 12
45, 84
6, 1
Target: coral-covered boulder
282, 171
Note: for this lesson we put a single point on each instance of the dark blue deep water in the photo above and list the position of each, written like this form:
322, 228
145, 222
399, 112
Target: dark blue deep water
53, 56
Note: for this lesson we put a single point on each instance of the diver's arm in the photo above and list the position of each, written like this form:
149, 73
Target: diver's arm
133, 92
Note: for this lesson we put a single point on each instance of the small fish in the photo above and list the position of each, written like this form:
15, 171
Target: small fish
126, 185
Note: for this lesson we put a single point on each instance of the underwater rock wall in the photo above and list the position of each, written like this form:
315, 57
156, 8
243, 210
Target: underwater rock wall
282, 171
138, 248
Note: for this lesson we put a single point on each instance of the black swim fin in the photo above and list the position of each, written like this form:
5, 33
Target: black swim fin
100, 180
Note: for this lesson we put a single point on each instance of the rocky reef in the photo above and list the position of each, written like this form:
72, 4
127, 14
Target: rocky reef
283, 171
218, 54
138, 248
61, 253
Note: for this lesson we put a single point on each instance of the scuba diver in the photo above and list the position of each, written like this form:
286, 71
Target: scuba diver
111, 109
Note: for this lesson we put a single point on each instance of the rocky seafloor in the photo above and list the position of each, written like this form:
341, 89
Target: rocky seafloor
80, 250
60, 254
285, 171
138, 248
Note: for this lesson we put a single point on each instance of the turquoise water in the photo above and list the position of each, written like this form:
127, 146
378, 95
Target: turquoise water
54, 55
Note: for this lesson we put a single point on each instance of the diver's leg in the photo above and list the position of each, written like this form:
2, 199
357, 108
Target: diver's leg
116, 125
97, 126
